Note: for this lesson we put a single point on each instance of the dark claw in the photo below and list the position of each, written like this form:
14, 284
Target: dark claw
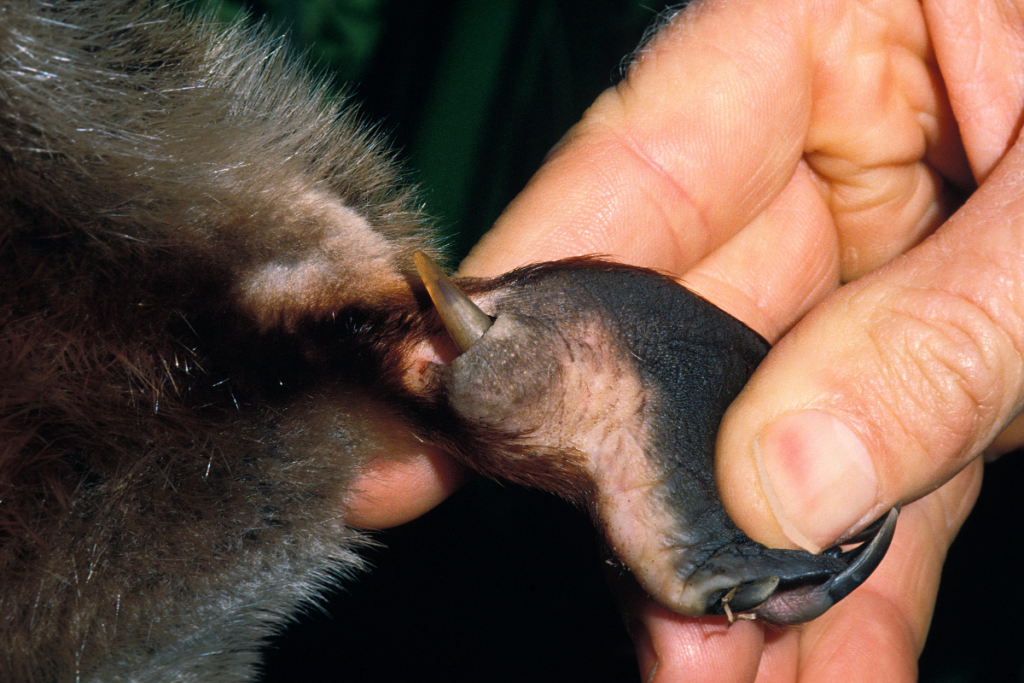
863, 559
800, 599
750, 595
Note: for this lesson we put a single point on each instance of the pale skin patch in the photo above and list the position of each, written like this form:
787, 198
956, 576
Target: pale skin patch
608, 426
333, 257
637, 525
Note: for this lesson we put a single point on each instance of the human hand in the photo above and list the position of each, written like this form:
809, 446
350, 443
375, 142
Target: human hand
824, 135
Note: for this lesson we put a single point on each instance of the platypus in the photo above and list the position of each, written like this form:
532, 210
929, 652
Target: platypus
220, 303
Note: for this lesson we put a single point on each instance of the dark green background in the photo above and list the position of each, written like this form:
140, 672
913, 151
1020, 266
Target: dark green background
501, 584
473, 94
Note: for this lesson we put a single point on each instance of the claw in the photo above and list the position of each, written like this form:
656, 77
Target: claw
863, 560
465, 322
795, 603
870, 531
748, 596
744, 579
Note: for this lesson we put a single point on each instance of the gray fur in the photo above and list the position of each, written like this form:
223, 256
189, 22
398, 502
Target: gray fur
163, 507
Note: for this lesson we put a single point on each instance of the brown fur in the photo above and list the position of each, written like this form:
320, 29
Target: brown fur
207, 327
175, 201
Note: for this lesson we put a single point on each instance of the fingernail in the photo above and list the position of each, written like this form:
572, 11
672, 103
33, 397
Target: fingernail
818, 476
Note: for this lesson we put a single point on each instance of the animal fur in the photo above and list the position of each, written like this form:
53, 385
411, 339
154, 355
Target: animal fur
176, 200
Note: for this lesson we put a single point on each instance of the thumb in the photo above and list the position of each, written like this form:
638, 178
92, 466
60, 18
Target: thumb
891, 385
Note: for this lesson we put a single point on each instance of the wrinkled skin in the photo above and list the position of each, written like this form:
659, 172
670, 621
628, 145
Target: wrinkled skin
625, 375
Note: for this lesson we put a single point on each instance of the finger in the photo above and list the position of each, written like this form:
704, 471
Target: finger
675, 648
882, 138
390, 491
891, 386
979, 49
671, 647
878, 631
771, 294
707, 650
